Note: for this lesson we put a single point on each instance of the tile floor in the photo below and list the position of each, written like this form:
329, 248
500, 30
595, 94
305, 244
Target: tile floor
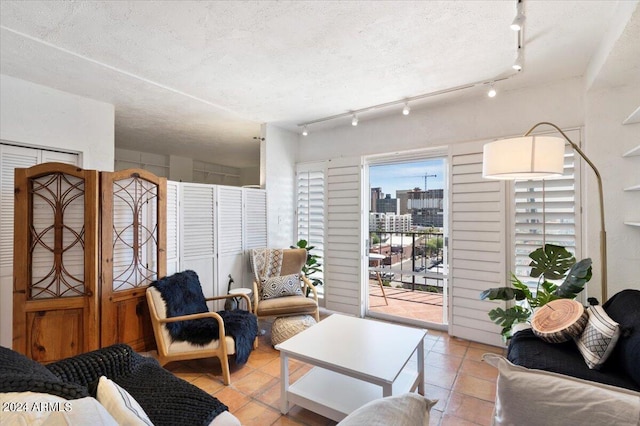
454, 374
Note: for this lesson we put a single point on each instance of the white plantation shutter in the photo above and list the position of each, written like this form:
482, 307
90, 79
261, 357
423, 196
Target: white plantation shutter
546, 211
343, 265
255, 218
173, 234
197, 232
310, 210
477, 246
229, 220
230, 235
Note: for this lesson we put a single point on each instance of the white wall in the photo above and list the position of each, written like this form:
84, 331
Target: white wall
250, 176
278, 152
607, 139
180, 168
41, 117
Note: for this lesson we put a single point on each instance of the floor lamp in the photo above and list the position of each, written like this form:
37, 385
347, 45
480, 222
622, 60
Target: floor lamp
537, 157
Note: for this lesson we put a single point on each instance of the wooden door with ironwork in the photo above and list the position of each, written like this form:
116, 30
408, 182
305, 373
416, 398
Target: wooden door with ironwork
133, 240
55, 297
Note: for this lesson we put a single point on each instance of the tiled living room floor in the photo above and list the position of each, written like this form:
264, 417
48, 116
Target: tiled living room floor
454, 374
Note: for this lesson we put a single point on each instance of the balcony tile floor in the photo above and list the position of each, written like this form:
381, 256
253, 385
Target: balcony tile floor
418, 305
455, 375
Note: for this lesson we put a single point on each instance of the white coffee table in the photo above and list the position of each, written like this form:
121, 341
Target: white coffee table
356, 361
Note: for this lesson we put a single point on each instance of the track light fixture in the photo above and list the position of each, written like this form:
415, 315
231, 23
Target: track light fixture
518, 21
305, 132
354, 120
406, 110
517, 65
492, 91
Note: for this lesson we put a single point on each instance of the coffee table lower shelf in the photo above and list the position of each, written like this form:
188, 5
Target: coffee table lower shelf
334, 395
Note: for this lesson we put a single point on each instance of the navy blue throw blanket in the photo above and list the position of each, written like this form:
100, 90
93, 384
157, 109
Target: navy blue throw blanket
183, 295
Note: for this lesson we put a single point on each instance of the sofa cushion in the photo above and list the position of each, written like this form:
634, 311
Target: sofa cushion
535, 397
410, 409
21, 374
599, 338
527, 350
624, 308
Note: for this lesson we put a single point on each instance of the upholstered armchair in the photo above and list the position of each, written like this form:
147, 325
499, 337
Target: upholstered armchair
279, 286
185, 329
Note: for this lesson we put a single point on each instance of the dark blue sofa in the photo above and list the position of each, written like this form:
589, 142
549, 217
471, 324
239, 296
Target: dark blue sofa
622, 369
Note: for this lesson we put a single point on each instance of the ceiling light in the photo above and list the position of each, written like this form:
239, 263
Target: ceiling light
492, 91
518, 22
354, 120
406, 110
304, 131
517, 65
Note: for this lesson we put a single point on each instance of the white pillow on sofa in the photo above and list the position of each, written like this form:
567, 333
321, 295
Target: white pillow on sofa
31, 408
410, 409
122, 406
537, 397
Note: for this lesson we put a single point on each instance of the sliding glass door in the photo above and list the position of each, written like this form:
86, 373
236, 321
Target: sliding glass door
406, 239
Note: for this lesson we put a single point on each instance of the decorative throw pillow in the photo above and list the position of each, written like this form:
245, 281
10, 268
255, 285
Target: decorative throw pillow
409, 409
599, 337
120, 404
284, 285
542, 398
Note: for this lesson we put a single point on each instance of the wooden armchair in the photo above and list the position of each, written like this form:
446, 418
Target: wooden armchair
223, 345
275, 295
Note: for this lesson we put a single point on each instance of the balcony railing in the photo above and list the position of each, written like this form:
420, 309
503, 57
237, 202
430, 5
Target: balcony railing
412, 260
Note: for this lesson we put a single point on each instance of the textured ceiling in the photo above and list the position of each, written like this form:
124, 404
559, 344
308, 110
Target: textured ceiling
197, 78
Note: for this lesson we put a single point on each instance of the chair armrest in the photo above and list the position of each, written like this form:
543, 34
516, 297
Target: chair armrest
214, 315
310, 286
256, 296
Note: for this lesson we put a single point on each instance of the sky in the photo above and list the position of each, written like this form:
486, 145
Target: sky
392, 177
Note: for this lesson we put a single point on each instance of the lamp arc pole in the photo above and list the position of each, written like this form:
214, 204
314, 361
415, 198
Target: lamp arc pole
603, 233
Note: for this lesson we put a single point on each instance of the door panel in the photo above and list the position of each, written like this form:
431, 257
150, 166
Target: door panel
55, 261
133, 232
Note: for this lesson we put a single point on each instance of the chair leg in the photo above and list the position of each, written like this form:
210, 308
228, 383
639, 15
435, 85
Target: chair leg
226, 375
317, 315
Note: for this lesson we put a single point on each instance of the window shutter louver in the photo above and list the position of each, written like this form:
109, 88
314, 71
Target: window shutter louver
255, 218
545, 213
173, 236
477, 248
343, 266
311, 208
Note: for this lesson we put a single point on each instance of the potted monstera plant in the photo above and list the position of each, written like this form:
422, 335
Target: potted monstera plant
548, 263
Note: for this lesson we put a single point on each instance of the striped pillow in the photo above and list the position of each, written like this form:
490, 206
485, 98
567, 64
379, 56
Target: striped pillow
599, 338
120, 404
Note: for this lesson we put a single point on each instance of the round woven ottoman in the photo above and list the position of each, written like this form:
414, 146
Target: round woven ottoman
284, 328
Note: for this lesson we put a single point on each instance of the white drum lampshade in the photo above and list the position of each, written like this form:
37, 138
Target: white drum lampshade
526, 157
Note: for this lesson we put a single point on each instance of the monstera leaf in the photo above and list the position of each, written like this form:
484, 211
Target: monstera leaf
507, 317
577, 277
503, 293
551, 261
